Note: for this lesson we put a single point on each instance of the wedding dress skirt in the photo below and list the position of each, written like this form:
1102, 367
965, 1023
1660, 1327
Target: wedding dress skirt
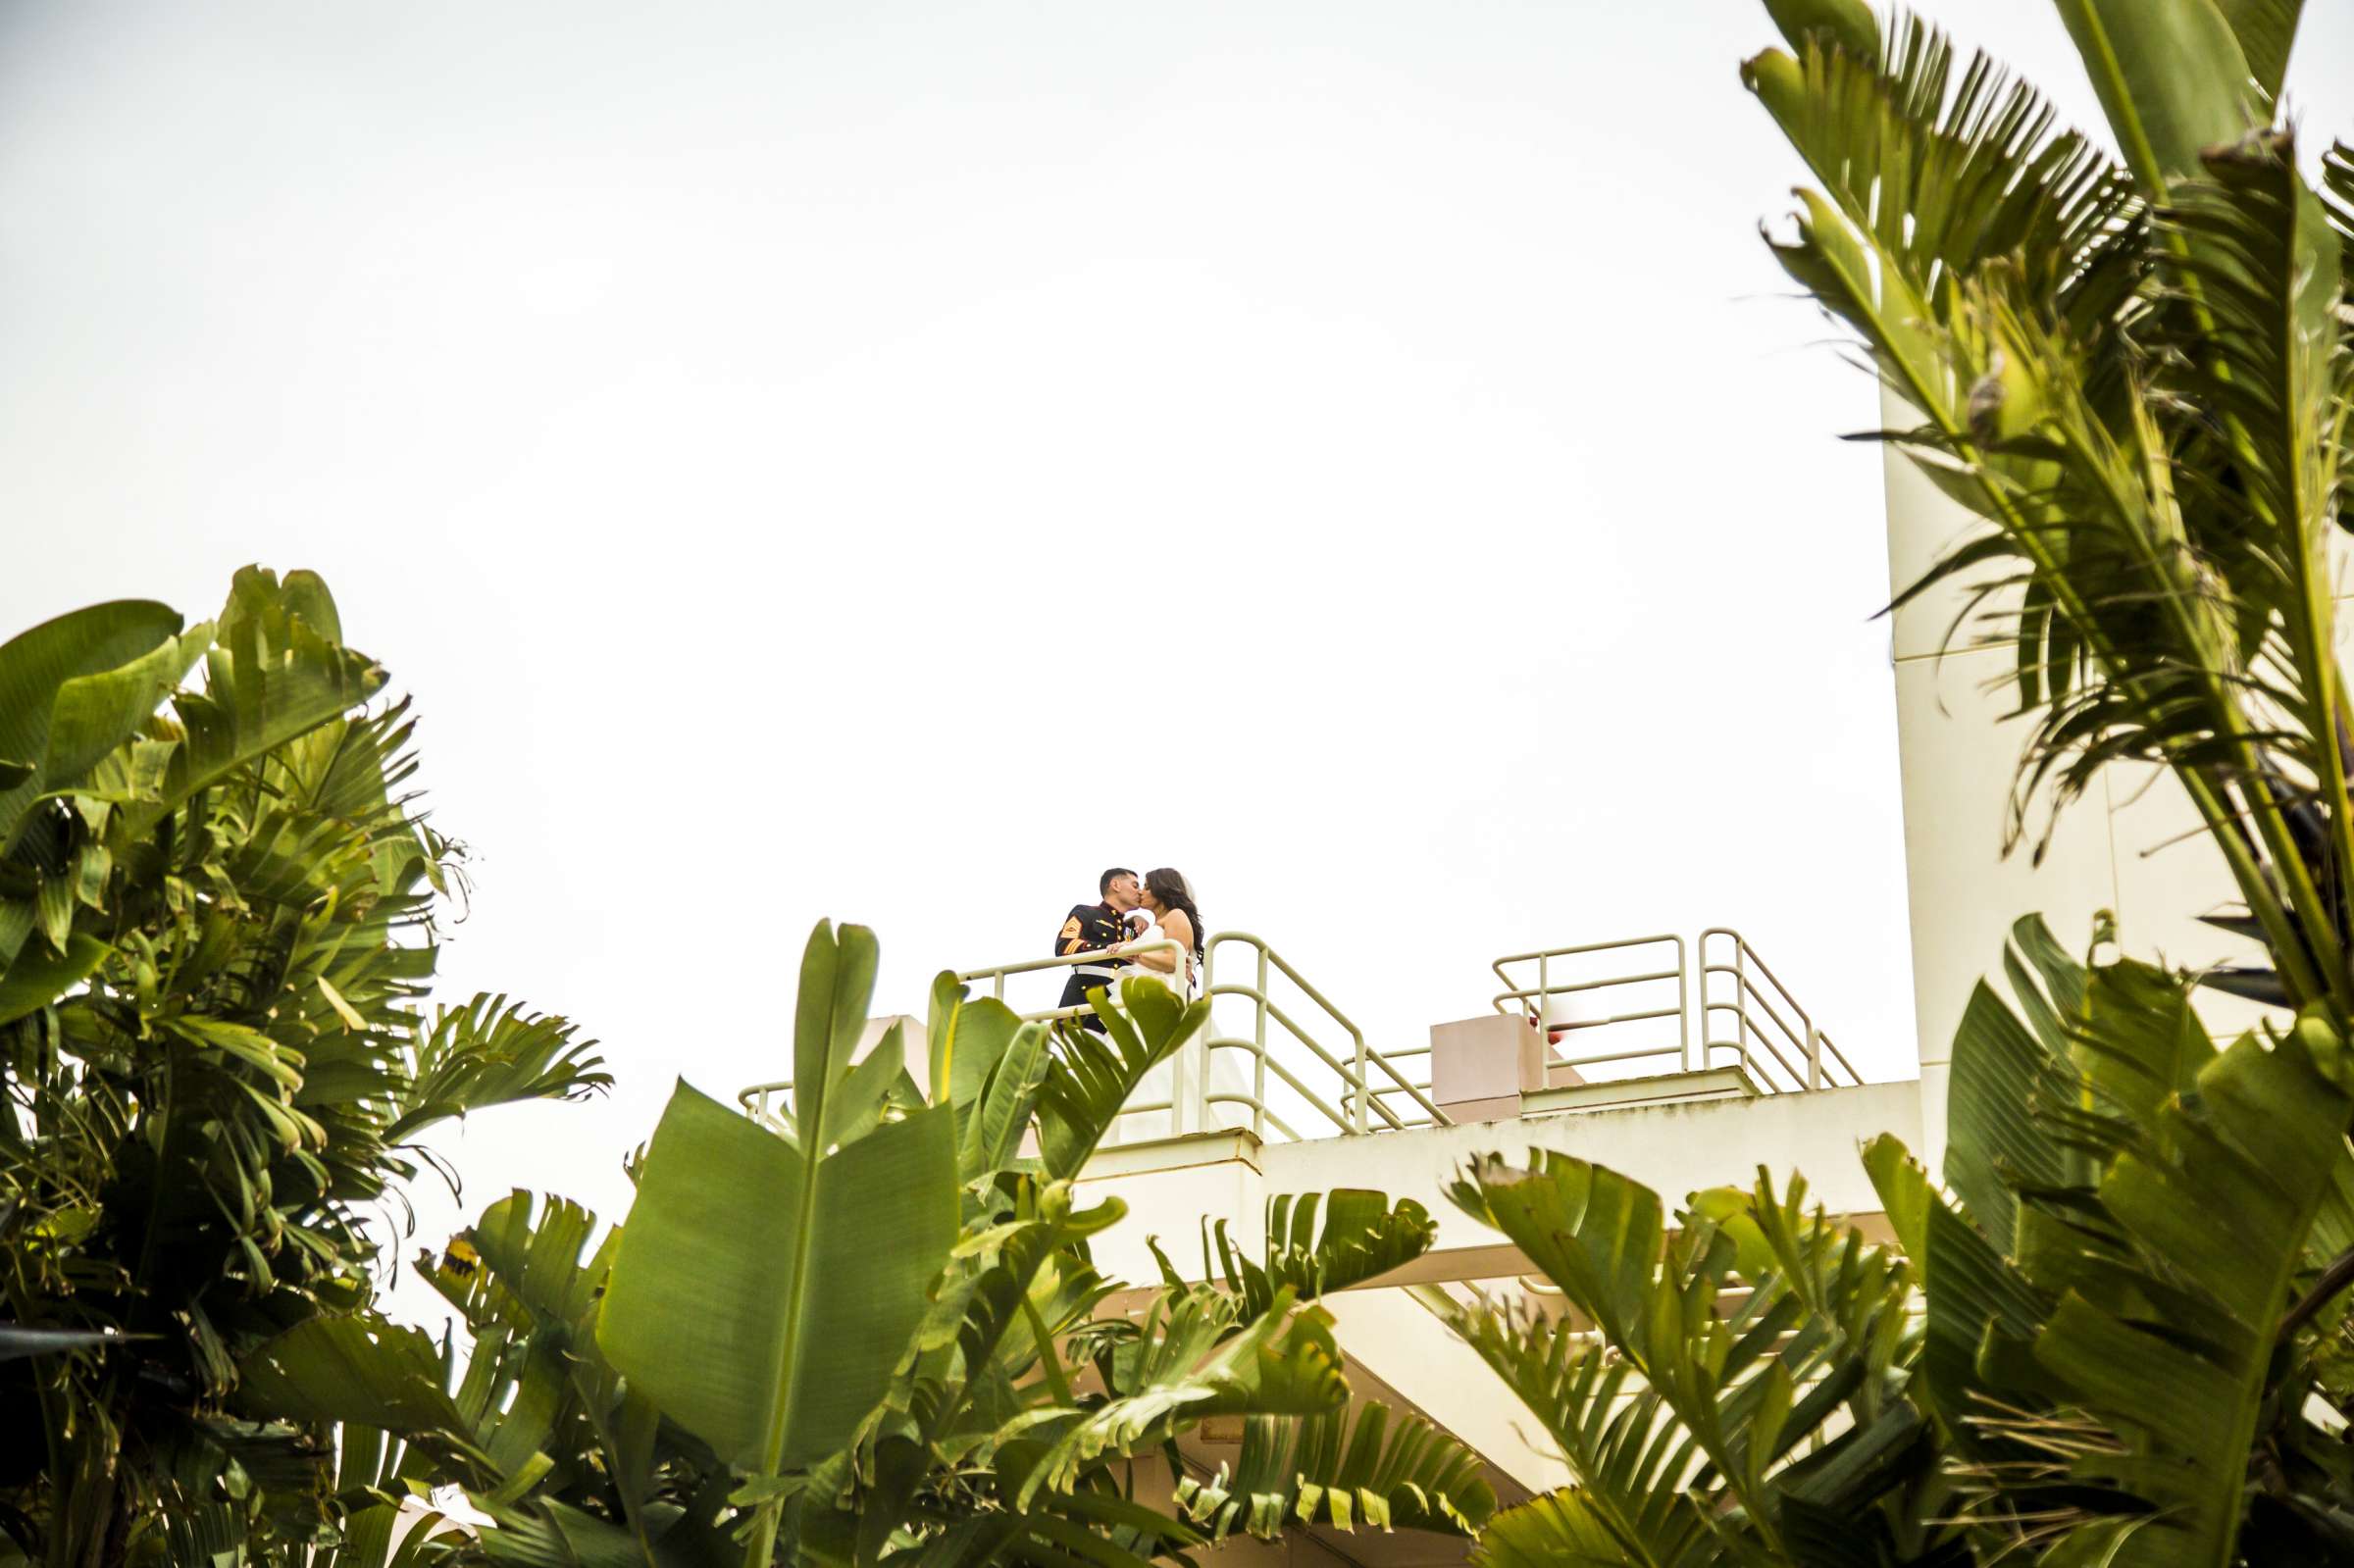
1228, 1069
1158, 1083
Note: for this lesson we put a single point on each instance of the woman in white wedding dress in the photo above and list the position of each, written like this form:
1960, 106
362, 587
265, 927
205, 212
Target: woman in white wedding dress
1169, 901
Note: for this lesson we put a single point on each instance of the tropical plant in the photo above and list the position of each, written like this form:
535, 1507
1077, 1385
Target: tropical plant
2133, 1336
2135, 372
2132, 1349
870, 1329
1733, 1389
216, 942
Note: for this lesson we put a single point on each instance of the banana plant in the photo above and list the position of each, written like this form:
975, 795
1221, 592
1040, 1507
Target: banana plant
657, 1395
2131, 1315
217, 941
766, 1285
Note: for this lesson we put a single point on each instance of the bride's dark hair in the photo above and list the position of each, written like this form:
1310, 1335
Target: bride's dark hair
1169, 887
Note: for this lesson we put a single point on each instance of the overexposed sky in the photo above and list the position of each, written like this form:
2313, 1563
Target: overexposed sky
889, 460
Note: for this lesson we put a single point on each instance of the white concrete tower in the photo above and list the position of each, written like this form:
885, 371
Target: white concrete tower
2133, 845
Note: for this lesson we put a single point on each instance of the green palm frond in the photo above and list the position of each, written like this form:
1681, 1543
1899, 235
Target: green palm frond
270, 676
2137, 1212
1089, 1078
35, 667
1633, 1462
536, 1265
1760, 1353
2136, 376
353, 768
1187, 1363
1944, 175
1561, 1530
2267, 372
1018, 1301
2172, 77
369, 1540
364, 1371
210, 1534
1854, 1297
2135, 383
537, 1426
1000, 1109
1364, 1467
494, 1052
986, 1062
1363, 1237
2216, 1204
2337, 183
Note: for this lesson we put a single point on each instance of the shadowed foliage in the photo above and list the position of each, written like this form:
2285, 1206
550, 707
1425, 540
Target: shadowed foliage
217, 942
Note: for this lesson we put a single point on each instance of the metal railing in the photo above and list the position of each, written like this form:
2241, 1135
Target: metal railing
1367, 1079
1556, 1004
1299, 1062
757, 1099
1312, 1068
996, 977
1763, 1041
1725, 991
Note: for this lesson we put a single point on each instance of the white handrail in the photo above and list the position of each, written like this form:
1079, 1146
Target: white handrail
1347, 1083
1774, 1041
1351, 1085
1097, 955
1821, 1065
1532, 1000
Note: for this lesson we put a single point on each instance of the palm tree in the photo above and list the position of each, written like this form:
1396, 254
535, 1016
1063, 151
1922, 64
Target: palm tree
217, 942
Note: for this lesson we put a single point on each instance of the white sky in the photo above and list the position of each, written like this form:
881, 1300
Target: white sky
889, 460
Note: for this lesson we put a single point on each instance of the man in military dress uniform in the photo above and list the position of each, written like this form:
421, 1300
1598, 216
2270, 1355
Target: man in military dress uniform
1093, 927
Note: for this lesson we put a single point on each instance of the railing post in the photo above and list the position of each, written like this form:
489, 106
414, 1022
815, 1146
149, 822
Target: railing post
1258, 1057
1364, 1091
1683, 1013
1741, 1002
1813, 1056
1184, 1109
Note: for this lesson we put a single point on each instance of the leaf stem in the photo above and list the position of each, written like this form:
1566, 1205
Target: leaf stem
1050, 1361
2335, 1278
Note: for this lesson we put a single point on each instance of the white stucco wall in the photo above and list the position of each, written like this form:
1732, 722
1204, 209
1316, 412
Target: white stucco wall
2123, 848
1675, 1149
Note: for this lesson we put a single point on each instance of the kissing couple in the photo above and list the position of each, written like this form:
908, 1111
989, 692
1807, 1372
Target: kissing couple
1133, 913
